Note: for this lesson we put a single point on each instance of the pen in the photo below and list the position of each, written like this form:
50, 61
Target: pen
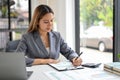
78, 56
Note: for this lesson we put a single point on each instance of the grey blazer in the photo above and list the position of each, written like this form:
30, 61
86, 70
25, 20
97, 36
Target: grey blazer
32, 45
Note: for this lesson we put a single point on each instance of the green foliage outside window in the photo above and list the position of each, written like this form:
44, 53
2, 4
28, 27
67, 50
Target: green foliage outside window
119, 56
92, 12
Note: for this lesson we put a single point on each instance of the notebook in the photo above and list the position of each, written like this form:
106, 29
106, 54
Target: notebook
65, 65
12, 66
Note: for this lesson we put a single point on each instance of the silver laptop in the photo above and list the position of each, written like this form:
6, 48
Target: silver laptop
12, 66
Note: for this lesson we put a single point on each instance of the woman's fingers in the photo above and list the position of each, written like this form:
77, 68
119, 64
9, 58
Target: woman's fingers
77, 62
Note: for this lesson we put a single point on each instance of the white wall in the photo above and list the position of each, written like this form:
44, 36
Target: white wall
64, 16
70, 23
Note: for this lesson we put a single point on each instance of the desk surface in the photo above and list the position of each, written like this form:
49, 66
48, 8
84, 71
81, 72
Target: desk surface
45, 72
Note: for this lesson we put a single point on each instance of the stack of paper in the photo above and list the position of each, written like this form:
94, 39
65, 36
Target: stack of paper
113, 67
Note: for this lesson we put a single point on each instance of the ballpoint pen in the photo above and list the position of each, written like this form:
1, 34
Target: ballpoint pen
78, 56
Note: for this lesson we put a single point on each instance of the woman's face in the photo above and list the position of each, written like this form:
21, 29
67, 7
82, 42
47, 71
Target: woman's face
46, 23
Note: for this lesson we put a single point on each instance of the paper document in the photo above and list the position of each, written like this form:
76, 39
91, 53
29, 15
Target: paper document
65, 65
65, 75
80, 75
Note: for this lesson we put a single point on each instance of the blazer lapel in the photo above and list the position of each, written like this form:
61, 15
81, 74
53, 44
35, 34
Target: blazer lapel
52, 45
40, 44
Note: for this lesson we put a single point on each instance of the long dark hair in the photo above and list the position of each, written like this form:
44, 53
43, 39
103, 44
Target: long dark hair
39, 12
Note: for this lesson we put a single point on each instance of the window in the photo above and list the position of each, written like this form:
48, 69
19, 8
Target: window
96, 29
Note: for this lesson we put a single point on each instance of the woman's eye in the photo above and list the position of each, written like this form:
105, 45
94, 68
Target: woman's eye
46, 22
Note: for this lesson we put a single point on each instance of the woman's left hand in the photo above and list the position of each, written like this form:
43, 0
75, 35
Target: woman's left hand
76, 62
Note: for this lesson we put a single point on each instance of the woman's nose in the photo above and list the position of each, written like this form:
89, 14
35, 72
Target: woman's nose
50, 23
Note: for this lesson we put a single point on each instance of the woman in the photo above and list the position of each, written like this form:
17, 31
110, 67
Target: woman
41, 44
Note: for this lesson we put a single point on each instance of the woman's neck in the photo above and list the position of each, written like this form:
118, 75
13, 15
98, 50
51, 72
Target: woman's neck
43, 33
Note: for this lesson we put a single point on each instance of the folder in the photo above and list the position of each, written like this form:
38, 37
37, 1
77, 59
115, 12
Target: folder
65, 65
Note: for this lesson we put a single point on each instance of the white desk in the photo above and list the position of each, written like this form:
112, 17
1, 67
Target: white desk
40, 72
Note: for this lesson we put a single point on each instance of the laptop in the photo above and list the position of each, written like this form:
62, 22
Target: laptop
12, 66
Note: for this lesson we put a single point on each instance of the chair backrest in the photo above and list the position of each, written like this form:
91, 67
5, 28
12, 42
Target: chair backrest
11, 46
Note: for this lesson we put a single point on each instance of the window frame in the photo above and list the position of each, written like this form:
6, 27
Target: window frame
116, 29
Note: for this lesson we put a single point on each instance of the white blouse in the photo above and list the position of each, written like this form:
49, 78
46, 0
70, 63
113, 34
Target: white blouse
48, 49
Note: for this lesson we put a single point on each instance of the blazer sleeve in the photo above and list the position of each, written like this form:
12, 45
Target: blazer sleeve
22, 47
66, 50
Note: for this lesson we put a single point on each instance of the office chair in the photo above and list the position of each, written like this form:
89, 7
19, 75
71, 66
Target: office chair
11, 46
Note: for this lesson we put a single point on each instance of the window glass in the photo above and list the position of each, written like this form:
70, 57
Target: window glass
3, 14
19, 14
96, 28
